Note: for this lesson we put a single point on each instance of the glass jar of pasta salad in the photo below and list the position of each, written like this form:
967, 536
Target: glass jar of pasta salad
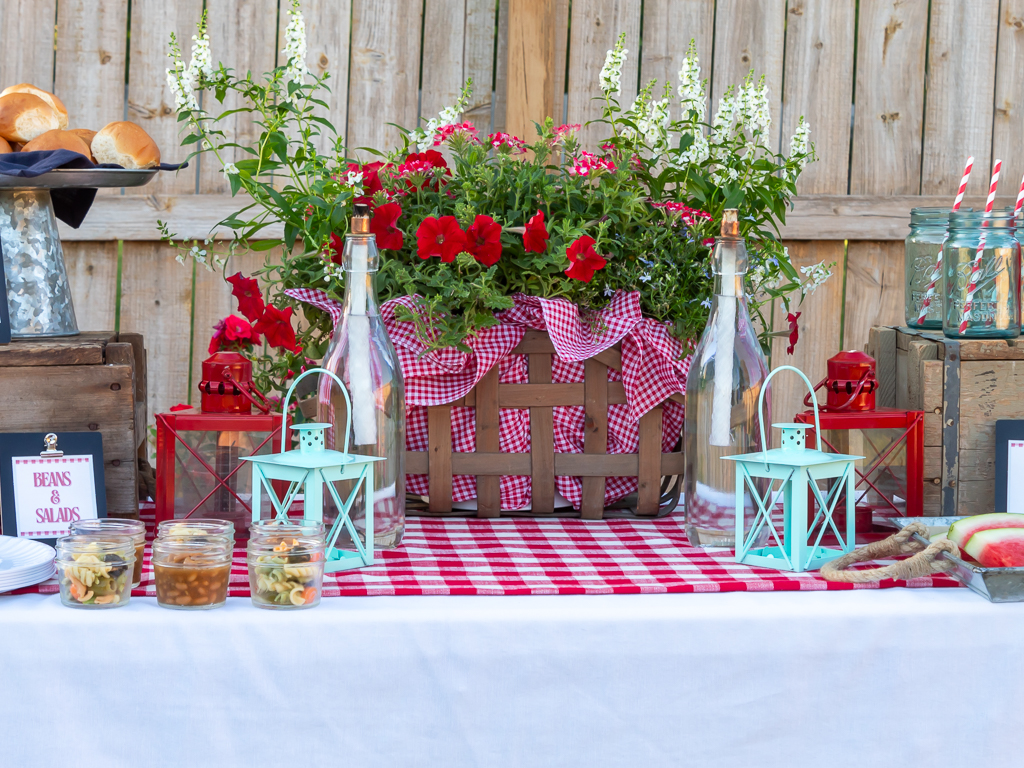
191, 573
95, 571
286, 574
189, 527
118, 527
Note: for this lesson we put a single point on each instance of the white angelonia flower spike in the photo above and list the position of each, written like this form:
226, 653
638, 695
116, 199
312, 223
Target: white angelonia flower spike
230, 169
691, 87
611, 72
424, 137
800, 144
815, 275
295, 46
201, 65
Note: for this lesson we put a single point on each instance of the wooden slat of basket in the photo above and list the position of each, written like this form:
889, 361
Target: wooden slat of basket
649, 474
595, 435
439, 438
542, 439
535, 342
488, 491
569, 464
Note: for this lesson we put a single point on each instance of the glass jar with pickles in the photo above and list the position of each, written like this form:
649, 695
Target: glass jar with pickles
136, 529
95, 571
191, 573
287, 574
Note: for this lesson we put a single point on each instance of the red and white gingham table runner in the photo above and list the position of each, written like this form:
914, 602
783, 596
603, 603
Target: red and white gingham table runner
654, 366
561, 556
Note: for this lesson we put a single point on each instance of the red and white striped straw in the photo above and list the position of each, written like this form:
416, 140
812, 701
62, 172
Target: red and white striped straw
976, 267
937, 271
1020, 199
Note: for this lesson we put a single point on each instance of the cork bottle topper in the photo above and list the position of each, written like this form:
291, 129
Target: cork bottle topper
361, 220
730, 223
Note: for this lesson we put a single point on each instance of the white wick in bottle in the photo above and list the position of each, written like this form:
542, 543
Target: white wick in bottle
725, 332
364, 410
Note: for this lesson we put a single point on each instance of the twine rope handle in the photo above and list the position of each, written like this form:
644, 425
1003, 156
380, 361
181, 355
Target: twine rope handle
923, 563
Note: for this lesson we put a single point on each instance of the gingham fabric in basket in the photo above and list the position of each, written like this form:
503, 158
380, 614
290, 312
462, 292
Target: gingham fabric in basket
562, 556
653, 368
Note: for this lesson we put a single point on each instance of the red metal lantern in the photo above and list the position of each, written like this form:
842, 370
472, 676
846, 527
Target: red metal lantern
890, 480
850, 383
198, 452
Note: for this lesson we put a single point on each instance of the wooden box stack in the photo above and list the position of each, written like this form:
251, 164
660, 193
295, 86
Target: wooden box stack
91, 382
659, 473
963, 386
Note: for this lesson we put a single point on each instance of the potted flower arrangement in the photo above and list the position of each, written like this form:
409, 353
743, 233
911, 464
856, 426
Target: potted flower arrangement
469, 224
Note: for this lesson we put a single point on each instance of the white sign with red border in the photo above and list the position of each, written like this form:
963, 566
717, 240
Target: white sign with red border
51, 493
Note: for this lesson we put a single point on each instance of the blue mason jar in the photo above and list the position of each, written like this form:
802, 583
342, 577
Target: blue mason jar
995, 308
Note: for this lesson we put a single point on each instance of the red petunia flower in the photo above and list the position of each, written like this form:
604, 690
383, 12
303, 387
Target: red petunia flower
794, 331
431, 156
247, 291
232, 333
371, 180
276, 326
535, 238
440, 237
383, 226
483, 240
584, 260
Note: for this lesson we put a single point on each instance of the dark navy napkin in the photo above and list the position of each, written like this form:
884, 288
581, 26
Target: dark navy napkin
69, 205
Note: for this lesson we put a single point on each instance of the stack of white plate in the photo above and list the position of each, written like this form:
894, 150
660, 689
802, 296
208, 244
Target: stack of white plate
24, 562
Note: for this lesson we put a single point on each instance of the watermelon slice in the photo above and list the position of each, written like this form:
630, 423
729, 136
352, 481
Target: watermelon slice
998, 547
961, 531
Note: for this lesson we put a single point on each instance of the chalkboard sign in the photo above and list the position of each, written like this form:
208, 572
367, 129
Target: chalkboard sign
49, 480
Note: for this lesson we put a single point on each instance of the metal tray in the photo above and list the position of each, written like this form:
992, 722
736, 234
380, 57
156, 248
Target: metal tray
997, 585
67, 178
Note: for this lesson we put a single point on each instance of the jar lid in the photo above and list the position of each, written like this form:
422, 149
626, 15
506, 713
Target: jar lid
194, 552
194, 526
297, 549
291, 527
117, 526
931, 217
107, 547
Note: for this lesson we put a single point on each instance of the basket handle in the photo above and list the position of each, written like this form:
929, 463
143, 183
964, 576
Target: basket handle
287, 397
760, 405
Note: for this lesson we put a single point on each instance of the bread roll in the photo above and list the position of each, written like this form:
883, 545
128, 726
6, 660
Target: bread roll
84, 134
24, 116
127, 145
4, 147
58, 140
55, 104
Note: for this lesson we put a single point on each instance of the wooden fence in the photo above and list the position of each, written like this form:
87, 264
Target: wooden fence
897, 95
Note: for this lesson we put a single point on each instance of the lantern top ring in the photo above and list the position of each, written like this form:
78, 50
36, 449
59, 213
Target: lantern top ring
315, 425
790, 432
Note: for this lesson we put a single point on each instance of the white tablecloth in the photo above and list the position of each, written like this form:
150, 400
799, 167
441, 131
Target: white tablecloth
882, 678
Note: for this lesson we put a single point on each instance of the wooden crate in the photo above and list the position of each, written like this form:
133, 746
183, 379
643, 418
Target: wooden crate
657, 471
963, 386
91, 382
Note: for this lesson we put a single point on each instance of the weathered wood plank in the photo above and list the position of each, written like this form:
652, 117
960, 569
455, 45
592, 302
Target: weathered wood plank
150, 103
815, 217
84, 349
668, 27
819, 87
569, 464
961, 83
1007, 137
92, 273
649, 463
501, 69
749, 35
819, 329
27, 42
89, 65
384, 71
594, 27
156, 301
874, 289
531, 66
327, 36
891, 45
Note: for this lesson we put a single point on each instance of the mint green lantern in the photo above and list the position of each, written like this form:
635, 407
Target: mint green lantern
310, 469
796, 469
